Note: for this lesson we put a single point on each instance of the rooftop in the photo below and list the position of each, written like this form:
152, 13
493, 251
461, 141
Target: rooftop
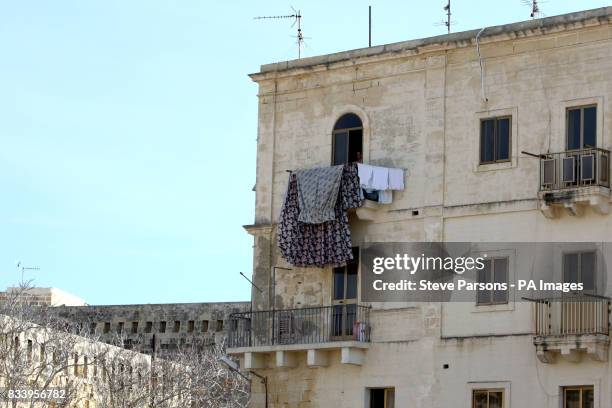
460, 39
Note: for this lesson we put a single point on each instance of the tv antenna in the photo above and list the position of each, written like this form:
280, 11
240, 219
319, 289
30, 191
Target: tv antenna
22, 268
448, 23
297, 16
535, 8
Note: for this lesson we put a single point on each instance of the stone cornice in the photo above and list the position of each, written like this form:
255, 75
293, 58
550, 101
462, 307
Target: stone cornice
524, 29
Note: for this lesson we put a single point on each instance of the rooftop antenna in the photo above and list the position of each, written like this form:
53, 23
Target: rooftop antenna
369, 26
448, 23
22, 268
297, 16
535, 8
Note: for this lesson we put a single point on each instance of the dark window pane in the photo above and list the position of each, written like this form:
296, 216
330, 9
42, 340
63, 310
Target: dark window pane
500, 276
337, 320
377, 398
350, 120
569, 175
355, 145
340, 148
587, 270
351, 282
352, 269
587, 398
339, 283
351, 315
603, 168
480, 399
548, 168
572, 399
573, 129
570, 268
484, 276
589, 133
496, 399
587, 167
486, 140
503, 139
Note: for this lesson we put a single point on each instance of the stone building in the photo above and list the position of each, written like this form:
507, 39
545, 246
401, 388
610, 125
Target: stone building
159, 327
456, 112
144, 327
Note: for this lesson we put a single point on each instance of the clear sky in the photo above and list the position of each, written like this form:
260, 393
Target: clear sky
127, 132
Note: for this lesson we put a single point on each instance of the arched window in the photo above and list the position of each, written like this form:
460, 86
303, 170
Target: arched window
347, 140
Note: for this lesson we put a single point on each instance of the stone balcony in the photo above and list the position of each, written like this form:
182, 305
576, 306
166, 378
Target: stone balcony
574, 181
275, 338
572, 327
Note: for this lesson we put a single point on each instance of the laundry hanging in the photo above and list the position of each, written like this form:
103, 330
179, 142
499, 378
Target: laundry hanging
318, 244
317, 193
378, 181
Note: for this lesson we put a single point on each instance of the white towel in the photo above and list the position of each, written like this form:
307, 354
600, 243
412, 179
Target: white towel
396, 179
380, 178
365, 172
385, 196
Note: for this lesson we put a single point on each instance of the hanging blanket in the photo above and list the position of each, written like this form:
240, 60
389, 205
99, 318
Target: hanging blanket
318, 193
326, 243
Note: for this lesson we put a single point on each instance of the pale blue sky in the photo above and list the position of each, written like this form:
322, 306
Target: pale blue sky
127, 132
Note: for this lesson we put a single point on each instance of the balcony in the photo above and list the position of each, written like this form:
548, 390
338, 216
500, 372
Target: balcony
276, 337
574, 180
571, 326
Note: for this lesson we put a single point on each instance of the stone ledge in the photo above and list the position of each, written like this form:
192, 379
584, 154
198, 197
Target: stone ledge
299, 347
575, 201
572, 347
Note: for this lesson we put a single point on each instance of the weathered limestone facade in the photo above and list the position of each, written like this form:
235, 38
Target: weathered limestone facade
169, 326
140, 327
421, 103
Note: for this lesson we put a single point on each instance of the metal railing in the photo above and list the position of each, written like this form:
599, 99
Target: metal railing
300, 326
574, 168
572, 315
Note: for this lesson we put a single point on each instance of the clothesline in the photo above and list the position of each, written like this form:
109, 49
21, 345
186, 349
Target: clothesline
400, 168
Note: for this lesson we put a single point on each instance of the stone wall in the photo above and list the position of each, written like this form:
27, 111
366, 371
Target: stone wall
169, 325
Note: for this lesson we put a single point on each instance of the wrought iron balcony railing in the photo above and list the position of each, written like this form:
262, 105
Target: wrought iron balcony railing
574, 168
572, 315
309, 325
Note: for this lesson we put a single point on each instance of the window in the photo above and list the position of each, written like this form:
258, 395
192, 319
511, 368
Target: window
495, 140
190, 326
177, 326
578, 397
579, 267
347, 140
148, 327
382, 397
120, 327
204, 326
488, 398
219, 326
495, 271
106, 327
581, 125
162, 327
344, 299
134, 327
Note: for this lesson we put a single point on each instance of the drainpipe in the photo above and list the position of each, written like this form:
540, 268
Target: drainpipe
264, 381
482, 80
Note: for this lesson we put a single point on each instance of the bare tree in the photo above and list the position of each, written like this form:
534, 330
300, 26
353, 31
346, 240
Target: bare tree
42, 352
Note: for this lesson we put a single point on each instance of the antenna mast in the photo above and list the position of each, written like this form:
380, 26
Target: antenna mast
447, 8
297, 16
22, 268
